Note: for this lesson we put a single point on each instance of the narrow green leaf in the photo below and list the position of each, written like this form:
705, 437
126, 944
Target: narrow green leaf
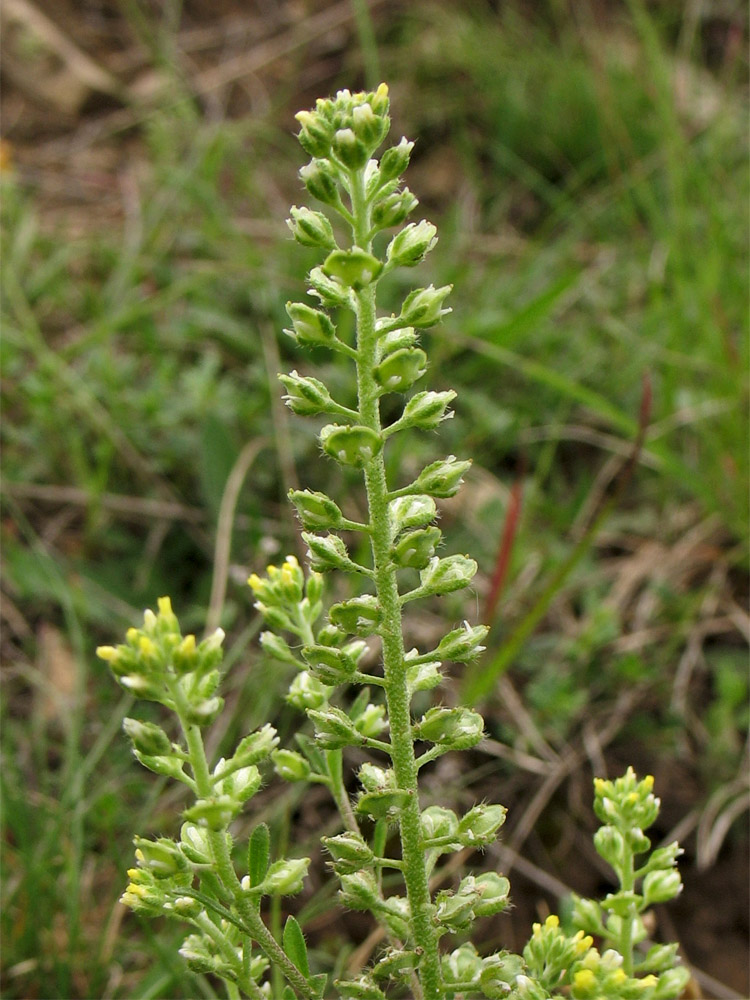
258, 853
295, 947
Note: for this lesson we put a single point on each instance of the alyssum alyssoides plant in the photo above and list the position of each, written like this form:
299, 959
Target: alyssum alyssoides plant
198, 876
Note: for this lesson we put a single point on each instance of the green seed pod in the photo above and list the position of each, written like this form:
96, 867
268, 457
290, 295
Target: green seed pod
376, 779
394, 340
400, 370
285, 878
442, 576
495, 891
479, 826
410, 247
312, 328
370, 722
311, 229
422, 307
437, 822
334, 730
358, 616
458, 728
241, 784
316, 511
427, 410
354, 445
195, 844
277, 647
442, 478
215, 813
423, 676
383, 805
354, 268
362, 988
393, 209
331, 666
462, 965
395, 964
411, 512
395, 160
416, 548
320, 180
147, 738
290, 765
330, 291
462, 644
455, 910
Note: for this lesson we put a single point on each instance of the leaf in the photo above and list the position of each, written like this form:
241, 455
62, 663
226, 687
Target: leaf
318, 983
295, 947
258, 854
288, 994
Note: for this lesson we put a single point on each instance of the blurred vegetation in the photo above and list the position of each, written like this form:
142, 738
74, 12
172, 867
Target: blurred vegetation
586, 166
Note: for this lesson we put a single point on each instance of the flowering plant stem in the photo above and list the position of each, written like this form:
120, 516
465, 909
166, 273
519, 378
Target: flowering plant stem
386, 585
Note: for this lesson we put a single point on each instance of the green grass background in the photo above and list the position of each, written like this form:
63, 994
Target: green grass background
587, 169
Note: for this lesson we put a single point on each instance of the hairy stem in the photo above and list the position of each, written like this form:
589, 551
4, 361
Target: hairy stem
394, 666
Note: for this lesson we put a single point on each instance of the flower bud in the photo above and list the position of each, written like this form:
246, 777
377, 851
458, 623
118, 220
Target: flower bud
354, 445
306, 396
368, 127
204, 712
330, 292
215, 813
495, 890
673, 982
499, 974
610, 844
587, 914
462, 644
422, 307
442, 576
659, 886
459, 728
423, 677
427, 410
410, 247
316, 511
355, 268
330, 666
394, 340
400, 370
480, 825
285, 878
358, 616
241, 784
415, 548
442, 478
320, 180
661, 957
311, 229
147, 738
307, 692
350, 150
379, 101
393, 208
315, 134
311, 326
349, 852
170, 766
334, 730
383, 805
327, 552
395, 160
290, 765
185, 656
313, 594
359, 891
277, 647
161, 857
411, 512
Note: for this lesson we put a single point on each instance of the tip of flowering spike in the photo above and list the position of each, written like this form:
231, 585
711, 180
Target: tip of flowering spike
382, 90
165, 605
